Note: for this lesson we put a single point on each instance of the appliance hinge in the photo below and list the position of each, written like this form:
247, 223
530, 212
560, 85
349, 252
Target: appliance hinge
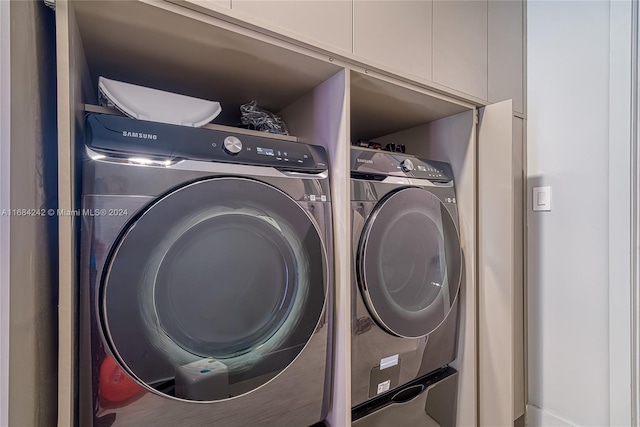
475, 116
50, 3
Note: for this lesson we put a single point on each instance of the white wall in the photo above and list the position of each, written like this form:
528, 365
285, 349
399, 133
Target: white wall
568, 61
620, 72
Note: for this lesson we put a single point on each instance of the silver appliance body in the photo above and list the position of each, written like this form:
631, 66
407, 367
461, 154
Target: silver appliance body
205, 280
407, 270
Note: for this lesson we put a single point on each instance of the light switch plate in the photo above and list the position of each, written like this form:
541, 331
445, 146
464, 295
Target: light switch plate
542, 199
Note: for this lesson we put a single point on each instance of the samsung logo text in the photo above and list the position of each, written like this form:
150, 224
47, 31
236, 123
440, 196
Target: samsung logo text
365, 161
139, 135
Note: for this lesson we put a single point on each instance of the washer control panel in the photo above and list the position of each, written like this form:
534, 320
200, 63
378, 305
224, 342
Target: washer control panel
123, 136
383, 163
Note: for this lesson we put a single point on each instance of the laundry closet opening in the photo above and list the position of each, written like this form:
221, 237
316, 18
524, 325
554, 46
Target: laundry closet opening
413, 245
284, 233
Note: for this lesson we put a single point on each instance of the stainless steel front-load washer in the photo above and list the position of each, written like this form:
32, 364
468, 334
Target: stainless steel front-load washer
205, 277
407, 271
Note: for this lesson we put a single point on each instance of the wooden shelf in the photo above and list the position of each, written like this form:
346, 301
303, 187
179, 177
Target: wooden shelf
90, 108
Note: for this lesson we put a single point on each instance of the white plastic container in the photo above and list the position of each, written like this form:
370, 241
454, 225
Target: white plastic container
154, 105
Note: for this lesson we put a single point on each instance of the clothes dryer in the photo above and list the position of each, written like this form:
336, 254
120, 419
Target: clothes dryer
407, 270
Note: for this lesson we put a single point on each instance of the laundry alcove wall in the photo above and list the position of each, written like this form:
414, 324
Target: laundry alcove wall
324, 100
436, 127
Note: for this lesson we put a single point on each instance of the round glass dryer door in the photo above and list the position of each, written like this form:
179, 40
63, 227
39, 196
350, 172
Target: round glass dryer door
409, 262
214, 289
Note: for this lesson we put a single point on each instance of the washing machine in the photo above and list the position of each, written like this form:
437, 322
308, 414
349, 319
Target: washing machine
407, 271
205, 279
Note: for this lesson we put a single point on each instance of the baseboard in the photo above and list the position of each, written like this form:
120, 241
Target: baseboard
537, 417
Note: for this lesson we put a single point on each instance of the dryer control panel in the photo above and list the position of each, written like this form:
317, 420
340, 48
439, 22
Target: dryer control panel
125, 137
376, 163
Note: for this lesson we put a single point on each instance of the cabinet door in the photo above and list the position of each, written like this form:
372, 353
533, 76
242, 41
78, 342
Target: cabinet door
327, 22
519, 212
460, 45
394, 33
496, 269
506, 60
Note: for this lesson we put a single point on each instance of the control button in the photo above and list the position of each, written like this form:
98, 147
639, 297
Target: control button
232, 145
407, 165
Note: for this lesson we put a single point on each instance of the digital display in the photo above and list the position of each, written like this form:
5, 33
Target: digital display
422, 168
264, 151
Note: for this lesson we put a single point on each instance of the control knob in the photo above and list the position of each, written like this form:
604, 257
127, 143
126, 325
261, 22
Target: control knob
232, 145
407, 165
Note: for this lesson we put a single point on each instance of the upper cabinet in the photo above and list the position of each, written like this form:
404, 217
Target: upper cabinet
460, 45
395, 34
473, 49
506, 52
328, 22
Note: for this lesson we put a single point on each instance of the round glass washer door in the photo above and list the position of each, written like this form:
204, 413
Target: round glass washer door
409, 262
214, 289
